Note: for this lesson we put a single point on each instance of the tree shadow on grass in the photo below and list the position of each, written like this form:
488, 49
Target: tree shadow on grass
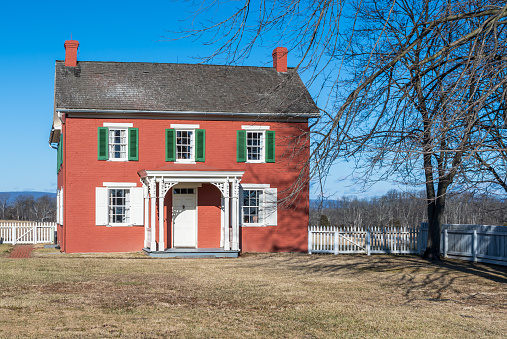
414, 278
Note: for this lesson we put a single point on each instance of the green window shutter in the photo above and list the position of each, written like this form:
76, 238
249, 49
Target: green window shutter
170, 145
133, 144
59, 155
103, 143
200, 141
241, 146
270, 146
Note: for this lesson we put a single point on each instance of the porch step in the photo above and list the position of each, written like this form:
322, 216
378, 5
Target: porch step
192, 253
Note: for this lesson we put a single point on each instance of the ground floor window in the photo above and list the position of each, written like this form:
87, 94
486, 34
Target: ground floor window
258, 205
119, 204
251, 206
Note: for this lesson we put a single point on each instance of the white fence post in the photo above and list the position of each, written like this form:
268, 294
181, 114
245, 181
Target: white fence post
368, 236
474, 246
335, 242
310, 239
446, 242
34, 233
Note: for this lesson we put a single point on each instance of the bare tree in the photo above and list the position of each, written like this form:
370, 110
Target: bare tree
23, 207
4, 197
44, 208
408, 209
416, 86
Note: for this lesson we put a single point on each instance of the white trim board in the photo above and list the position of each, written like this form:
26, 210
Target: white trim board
255, 127
119, 184
118, 124
185, 126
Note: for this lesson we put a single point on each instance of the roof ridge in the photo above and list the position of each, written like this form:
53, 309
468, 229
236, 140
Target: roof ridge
173, 63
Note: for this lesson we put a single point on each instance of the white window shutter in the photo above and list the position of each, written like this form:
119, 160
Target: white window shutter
270, 207
136, 206
101, 206
61, 206
58, 207
240, 206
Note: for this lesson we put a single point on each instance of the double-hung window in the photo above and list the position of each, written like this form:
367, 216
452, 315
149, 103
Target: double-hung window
255, 144
118, 142
258, 205
252, 206
119, 204
185, 143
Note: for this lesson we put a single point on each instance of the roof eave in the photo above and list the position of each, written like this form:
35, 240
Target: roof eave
81, 111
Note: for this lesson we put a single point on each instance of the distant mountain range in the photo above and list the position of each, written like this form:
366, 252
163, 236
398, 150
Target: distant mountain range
13, 195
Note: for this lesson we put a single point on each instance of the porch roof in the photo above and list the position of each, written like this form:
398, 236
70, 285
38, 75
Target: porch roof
190, 172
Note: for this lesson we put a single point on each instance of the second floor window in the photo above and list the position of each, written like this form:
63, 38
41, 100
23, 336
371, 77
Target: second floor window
255, 146
117, 144
184, 145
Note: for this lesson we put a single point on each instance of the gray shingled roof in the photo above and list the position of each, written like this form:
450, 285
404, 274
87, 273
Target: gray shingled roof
179, 87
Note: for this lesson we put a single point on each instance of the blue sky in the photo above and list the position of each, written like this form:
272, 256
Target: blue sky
31, 39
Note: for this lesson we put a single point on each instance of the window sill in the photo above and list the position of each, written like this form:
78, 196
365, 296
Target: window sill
118, 160
184, 162
253, 225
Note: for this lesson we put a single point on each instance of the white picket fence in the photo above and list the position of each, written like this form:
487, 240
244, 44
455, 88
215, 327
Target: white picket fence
27, 232
339, 240
478, 243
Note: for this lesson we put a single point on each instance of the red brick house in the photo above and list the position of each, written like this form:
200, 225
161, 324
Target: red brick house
180, 159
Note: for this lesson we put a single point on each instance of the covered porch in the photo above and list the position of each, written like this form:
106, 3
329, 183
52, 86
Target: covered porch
181, 222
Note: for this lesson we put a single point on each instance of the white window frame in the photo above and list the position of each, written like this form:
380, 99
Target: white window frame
262, 131
135, 207
185, 128
125, 206
118, 127
260, 214
267, 205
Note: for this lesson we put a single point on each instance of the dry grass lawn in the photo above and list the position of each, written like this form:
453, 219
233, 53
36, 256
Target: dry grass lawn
255, 296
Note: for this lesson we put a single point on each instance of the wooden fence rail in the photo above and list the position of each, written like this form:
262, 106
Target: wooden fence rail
339, 240
27, 232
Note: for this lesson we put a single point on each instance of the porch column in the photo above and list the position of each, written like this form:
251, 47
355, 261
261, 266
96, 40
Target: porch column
235, 215
146, 216
227, 241
153, 195
161, 193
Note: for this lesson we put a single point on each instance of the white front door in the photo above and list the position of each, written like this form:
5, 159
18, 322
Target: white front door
184, 217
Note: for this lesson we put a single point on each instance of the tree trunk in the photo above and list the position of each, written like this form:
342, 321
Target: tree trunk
435, 214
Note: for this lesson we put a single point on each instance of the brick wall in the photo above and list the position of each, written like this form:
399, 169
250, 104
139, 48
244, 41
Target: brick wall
83, 173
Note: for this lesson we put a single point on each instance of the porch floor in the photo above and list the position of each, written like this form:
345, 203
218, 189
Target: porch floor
192, 253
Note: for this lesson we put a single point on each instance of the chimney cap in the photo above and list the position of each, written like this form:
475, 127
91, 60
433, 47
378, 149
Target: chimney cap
71, 43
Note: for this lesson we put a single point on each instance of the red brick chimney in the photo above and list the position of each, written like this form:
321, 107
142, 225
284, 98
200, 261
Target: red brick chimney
280, 59
71, 52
